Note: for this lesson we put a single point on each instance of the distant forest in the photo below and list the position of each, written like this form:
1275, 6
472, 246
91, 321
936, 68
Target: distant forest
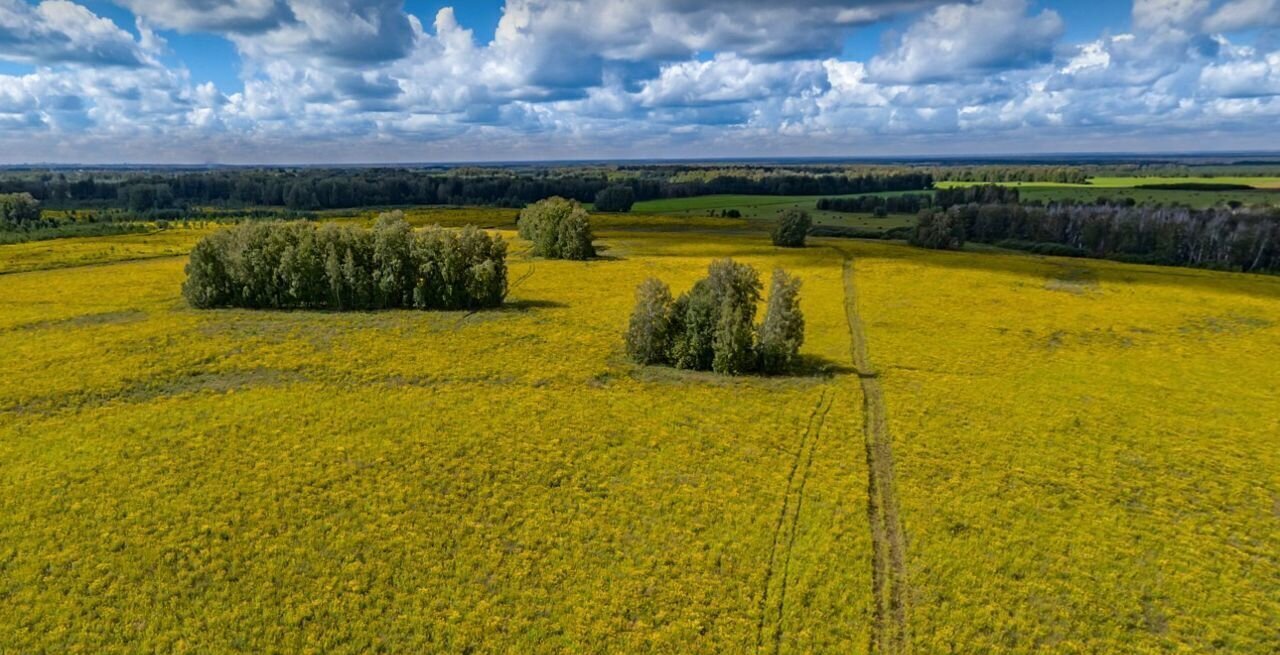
315, 189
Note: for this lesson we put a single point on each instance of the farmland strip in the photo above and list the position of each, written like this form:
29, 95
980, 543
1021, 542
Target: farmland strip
782, 520
795, 525
888, 558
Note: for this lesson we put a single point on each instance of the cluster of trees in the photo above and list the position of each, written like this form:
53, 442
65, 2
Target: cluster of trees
987, 194
939, 229
713, 182
1012, 173
1222, 238
299, 265
617, 198
315, 189
712, 327
910, 203
791, 228
558, 229
19, 211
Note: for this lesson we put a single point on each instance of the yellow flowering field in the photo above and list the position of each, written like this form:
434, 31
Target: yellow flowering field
1084, 459
1088, 453
81, 251
208, 481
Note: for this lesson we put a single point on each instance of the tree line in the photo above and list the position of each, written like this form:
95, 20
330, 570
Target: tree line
316, 189
274, 265
1220, 238
910, 203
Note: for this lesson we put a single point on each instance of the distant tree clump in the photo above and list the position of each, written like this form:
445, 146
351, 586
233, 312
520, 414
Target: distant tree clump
617, 198
1235, 239
939, 229
18, 210
558, 229
909, 203
986, 194
792, 228
712, 326
298, 265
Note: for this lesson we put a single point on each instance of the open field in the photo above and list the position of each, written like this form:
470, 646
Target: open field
767, 207
986, 452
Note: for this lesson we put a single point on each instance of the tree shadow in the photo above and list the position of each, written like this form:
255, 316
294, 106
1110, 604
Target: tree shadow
607, 258
809, 368
528, 305
815, 366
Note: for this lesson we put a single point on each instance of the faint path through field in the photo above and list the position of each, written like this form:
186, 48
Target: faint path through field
889, 632
787, 524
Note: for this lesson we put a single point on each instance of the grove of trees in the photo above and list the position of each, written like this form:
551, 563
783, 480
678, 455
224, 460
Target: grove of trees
791, 228
617, 198
910, 203
712, 326
1222, 238
278, 265
558, 229
988, 194
18, 211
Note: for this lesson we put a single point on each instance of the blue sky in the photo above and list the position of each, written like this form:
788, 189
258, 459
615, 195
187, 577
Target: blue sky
363, 81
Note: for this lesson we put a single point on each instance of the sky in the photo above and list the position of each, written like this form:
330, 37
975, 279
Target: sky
400, 81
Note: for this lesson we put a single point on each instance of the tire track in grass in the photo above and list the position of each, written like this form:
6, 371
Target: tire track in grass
889, 632
795, 526
783, 515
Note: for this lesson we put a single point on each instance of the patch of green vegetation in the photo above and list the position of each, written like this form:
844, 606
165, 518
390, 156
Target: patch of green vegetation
766, 208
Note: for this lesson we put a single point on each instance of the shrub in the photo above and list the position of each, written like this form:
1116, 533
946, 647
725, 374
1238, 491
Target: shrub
939, 229
782, 332
791, 229
558, 229
649, 334
617, 198
712, 327
18, 210
299, 265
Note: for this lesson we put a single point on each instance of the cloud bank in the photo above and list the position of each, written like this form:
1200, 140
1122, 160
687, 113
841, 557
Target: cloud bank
365, 81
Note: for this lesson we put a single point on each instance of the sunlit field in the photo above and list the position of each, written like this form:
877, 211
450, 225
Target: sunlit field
1084, 455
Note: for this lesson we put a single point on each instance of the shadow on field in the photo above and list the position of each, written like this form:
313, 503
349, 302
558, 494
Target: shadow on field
810, 368
526, 305
1102, 271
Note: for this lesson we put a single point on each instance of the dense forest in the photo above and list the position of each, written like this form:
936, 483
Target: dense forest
1221, 238
314, 189
879, 205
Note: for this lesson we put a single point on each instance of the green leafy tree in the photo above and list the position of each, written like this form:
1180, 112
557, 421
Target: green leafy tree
18, 210
782, 332
558, 229
648, 337
616, 198
939, 229
791, 228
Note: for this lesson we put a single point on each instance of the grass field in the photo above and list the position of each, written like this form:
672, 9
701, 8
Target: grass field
1057, 456
764, 208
